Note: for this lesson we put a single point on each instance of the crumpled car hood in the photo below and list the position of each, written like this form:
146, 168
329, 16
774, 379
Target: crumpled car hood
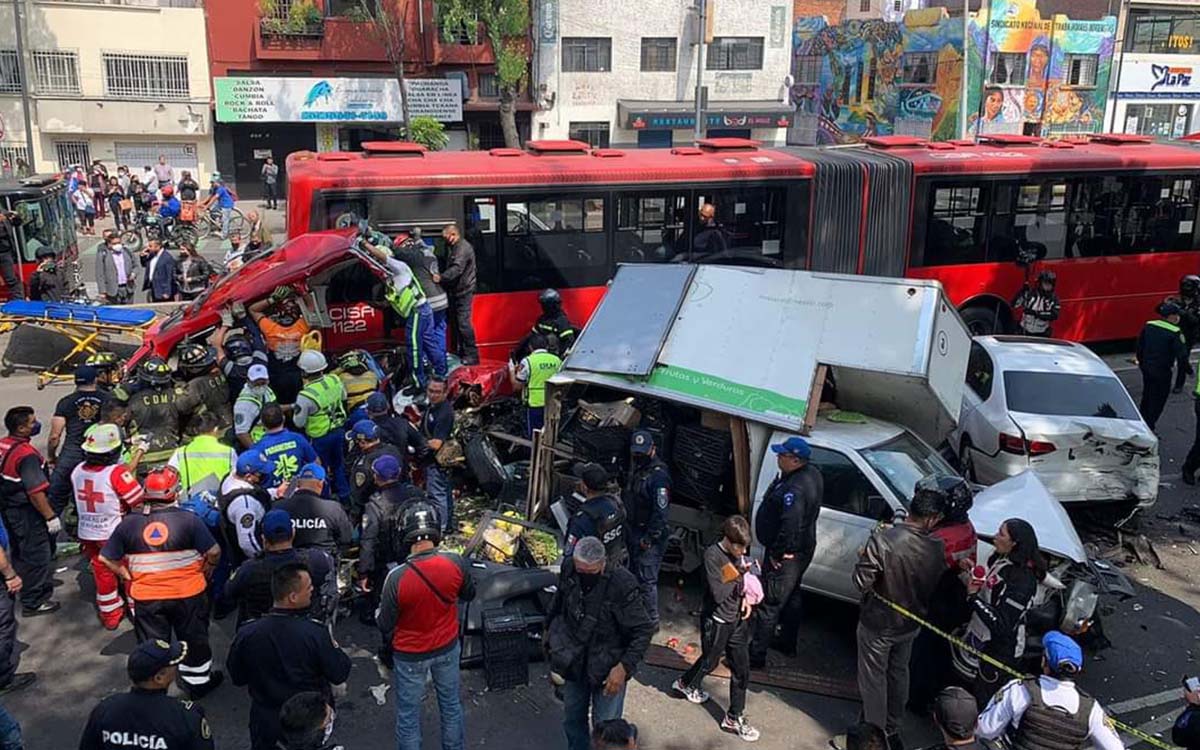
1095, 458
1025, 496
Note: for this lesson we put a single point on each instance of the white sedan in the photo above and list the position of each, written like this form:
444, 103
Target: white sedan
1056, 408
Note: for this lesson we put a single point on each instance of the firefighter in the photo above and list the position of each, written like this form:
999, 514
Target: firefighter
1039, 305
108, 370
321, 412
648, 496
359, 380
1189, 322
601, 515
166, 554
367, 448
380, 524
247, 409
154, 414
73, 415
105, 490
205, 388
553, 324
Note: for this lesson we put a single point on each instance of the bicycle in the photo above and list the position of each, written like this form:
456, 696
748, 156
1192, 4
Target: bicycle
208, 223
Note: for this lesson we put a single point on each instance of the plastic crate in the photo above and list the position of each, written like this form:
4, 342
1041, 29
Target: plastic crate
607, 446
505, 649
707, 489
702, 449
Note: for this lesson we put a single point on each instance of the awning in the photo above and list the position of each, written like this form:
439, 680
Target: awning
652, 115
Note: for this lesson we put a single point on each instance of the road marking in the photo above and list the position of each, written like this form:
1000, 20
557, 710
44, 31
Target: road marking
1144, 702
1156, 726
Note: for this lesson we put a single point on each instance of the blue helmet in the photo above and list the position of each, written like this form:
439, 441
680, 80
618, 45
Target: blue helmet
253, 462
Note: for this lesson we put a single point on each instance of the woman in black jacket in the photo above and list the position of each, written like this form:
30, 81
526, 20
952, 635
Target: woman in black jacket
999, 602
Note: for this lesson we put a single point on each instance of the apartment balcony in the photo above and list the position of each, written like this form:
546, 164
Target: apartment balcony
294, 36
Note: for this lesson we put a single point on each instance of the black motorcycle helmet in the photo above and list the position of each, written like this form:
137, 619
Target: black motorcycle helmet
196, 357
1047, 277
952, 494
238, 348
1189, 286
154, 371
420, 522
550, 300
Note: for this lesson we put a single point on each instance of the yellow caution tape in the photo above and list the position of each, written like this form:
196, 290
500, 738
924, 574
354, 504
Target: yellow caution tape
1117, 725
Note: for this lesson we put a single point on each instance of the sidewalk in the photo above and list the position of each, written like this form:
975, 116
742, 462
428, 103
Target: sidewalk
276, 220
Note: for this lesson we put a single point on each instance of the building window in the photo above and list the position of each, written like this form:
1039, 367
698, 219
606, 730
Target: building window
735, 53
1081, 70
489, 86
14, 160
1161, 120
1164, 32
898, 6
594, 134
872, 71
459, 34
72, 153
808, 69
56, 72
864, 6
10, 72
658, 54
354, 9
586, 54
919, 68
128, 76
1008, 69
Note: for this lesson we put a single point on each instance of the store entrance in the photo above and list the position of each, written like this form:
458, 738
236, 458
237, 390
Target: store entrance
252, 144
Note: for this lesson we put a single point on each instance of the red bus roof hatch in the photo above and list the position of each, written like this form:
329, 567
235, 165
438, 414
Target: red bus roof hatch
1120, 139
333, 156
686, 151
728, 144
506, 152
608, 153
558, 147
393, 148
1011, 139
895, 141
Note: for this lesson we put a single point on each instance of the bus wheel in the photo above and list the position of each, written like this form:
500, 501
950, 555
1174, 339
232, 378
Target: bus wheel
984, 321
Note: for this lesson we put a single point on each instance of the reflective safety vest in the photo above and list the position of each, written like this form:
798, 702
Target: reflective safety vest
542, 365
160, 554
204, 463
329, 395
404, 300
259, 400
358, 387
1166, 325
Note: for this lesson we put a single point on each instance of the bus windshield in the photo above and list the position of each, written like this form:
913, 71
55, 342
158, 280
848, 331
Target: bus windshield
46, 222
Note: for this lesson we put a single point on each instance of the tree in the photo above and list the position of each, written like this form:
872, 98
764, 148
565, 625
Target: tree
506, 23
427, 131
385, 18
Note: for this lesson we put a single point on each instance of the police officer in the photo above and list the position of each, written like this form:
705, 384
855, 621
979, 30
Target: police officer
321, 412
367, 449
1049, 711
243, 502
380, 525
205, 388
395, 429
155, 415
146, 716
647, 497
318, 522
1160, 347
30, 520
786, 527
553, 324
359, 380
73, 415
601, 515
166, 553
1189, 321
529, 377
247, 409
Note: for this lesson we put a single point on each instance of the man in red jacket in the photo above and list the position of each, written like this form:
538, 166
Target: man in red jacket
418, 617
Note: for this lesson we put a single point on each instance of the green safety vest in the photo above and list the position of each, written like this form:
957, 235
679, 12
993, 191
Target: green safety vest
543, 365
1166, 325
202, 457
404, 300
257, 430
329, 395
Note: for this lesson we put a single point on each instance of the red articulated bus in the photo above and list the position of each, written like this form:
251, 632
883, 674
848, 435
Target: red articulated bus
1115, 217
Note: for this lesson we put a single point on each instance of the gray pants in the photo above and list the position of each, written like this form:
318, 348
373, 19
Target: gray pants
883, 676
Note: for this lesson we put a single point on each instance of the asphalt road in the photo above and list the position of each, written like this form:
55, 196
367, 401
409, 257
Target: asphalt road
1154, 643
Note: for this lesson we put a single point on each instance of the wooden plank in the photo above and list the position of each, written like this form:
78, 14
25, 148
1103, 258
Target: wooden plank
787, 678
814, 398
741, 464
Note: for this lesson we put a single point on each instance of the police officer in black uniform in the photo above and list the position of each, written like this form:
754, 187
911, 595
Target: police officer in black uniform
1160, 347
154, 414
380, 526
366, 448
648, 498
395, 429
205, 388
146, 716
72, 416
786, 526
553, 324
601, 515
1189, 321
318, 522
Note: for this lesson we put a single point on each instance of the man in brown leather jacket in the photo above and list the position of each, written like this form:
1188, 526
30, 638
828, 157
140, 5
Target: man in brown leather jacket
902, 564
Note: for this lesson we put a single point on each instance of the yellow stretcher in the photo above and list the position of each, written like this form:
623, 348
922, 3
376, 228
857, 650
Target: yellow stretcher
82, 324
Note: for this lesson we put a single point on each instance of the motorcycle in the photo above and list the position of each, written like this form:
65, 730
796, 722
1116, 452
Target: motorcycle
151, 226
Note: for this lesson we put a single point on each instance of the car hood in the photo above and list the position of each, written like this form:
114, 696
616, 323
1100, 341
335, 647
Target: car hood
1024, 496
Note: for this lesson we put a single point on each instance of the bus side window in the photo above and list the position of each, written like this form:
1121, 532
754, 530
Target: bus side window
479, 228
1128, 214
555, 241
956, 226
651, 227
751, 221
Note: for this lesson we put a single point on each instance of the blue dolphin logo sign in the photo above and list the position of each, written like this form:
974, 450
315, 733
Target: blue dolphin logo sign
322, 90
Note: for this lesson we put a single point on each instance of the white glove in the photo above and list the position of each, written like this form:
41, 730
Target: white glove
54, 525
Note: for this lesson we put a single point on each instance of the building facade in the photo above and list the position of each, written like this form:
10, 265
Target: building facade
119, 83
1158, 72
611, 73
315, 74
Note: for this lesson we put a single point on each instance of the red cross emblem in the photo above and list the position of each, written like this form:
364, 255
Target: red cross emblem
90, 497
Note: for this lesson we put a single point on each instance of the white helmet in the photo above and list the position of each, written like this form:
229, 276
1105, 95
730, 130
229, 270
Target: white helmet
101, 438
312, 362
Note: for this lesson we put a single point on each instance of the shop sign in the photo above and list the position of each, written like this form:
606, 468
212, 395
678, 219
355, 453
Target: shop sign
316, 100
547, 22
1150, 80
681, 121
439, 98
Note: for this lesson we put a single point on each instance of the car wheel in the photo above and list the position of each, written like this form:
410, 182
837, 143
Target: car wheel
966, 461
983, 321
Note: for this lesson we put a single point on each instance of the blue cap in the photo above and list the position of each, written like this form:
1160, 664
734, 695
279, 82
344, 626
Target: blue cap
365, 429
253, 462
377, 403
311, 471
386, 467
277, 525
1061, 649
85, 375
795, 446
641, 443
152, 656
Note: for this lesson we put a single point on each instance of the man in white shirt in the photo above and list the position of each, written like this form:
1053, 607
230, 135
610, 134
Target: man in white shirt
243, 502
149, 180
1049, 711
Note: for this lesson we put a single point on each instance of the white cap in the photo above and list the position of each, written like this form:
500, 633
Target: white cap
258, 372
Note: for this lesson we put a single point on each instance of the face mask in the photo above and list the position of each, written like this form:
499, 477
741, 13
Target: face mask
36, 429
641, 459
588, 581
286, 320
